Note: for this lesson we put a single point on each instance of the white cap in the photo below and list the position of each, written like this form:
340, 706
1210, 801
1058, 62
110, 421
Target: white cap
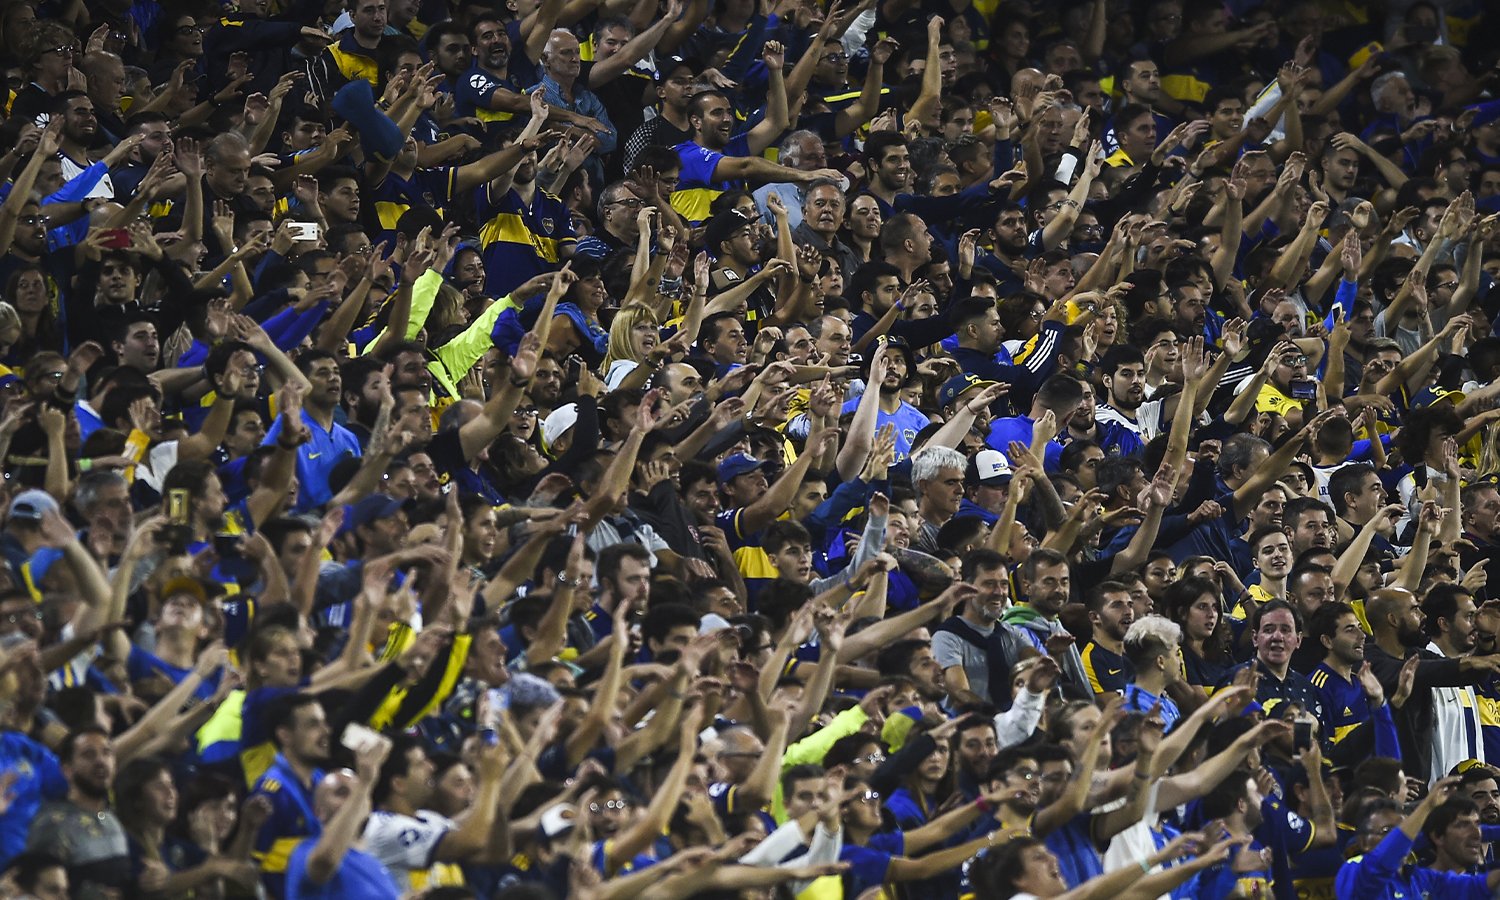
556, 424
989, 466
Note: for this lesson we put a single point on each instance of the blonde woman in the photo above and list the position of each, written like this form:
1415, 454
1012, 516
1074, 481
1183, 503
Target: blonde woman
633, 335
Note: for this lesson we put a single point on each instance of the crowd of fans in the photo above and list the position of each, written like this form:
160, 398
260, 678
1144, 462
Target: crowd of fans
670, 448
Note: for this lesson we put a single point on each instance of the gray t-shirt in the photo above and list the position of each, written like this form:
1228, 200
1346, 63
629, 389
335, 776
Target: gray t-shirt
951, 650
91, 845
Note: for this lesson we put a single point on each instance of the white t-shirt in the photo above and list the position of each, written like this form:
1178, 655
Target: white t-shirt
407, 847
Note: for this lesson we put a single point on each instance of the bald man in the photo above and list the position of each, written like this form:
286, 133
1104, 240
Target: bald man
1400, 630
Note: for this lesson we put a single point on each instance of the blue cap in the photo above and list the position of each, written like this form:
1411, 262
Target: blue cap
737, 465
956, 386
375, 506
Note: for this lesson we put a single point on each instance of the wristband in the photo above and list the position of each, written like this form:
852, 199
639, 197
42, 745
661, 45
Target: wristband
1145, 869
85, 464
519, 384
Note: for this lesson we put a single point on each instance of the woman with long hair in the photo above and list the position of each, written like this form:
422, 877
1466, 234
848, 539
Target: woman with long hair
1197, 605
28, 291
146, 800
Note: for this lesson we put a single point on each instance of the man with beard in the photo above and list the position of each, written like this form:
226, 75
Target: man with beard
300, 732
1046, 584
366, 383
1111, 613
546, 388
488, 92
420, 847
715, 160
1453, 830
1276, 633
1448, 611
1356, 717
1135, 419
1396, 633
1309, 523
80, 131
975, 651
1482, 788
891, 367
1008, 254
81, 829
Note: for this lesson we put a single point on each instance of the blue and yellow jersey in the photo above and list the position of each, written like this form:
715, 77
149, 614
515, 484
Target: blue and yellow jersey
425, 188
352, 60
697, 187
1345, 707
475, 89
519, 241
1108, 672
291, 821
257, 753
753, 561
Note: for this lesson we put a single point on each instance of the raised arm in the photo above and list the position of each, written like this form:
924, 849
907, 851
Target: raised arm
766, 131
340, 832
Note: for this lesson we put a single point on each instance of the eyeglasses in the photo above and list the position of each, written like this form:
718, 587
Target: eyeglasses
1090, 229
18, 618
1292, 362
867, 797
835, 56
631, 203
526, 411
876, 758
186, 30
1445, 285
34, 220
608, 804
62, 51
1026, 774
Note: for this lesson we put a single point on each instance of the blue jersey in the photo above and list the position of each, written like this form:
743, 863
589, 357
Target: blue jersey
359, 875
316, 459
1107, 671
1140, 700
291, 821
1382, 874
698, 185
39, 778
518, 239
907, 420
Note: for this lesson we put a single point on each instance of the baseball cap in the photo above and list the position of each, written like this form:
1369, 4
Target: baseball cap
666, 67
1435, 395
956, 386
375, 506
989, 468
736, 465
184, 585
558, 422
722, 227
31, 505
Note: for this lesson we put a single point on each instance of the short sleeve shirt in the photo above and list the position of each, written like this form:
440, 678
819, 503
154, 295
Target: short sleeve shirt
407, 847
